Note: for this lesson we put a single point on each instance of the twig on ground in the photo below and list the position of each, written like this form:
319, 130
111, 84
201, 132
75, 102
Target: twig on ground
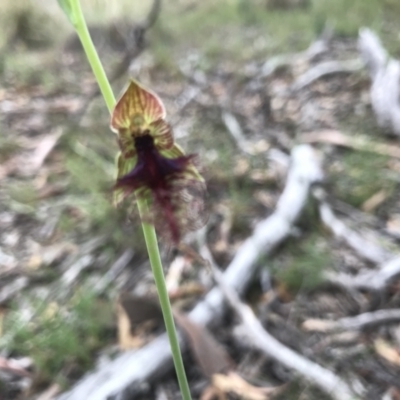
119, 265
131, 370
323, 69
359, 142
234, 128
366, 249
74, 265
75, 269
261, 339
371, 280
320, 46
357, 322
385, 75
12, 288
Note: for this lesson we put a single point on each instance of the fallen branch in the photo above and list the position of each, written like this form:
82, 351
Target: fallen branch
358, 322
323, 69
261, 339
232, 125
320, 46
366, 249
115, 270
359, 142
11, 289
371, 280
385, 75
131, 370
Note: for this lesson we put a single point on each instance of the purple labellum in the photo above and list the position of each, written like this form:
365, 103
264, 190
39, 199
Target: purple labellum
156, 173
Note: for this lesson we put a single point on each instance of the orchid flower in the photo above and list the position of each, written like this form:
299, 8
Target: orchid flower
153, 167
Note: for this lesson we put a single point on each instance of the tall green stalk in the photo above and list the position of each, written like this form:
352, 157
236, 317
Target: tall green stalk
74, 12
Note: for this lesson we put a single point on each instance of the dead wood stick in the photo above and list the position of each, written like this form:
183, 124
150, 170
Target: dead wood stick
361, 143
365, 248
372, 280
316, 48
116, 268
324, 69
12, 288
261, 339
232, 125
130, 371
385, 75
357, 322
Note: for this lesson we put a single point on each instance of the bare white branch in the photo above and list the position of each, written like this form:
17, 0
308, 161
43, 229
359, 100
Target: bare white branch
320, 46
357, 322
326, 68
385, 75
372, 280
365, 248
234, 128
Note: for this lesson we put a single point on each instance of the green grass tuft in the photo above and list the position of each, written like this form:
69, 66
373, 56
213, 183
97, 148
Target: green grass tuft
302, 269
61, 338
366, 174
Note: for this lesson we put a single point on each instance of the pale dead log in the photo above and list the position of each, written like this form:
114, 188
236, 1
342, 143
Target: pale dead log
363, 247
357, 322
261, 339
385, 75
372, 280
323, 69
132, 370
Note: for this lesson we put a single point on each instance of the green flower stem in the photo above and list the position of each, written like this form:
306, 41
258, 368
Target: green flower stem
91, 54
158, 273
148, 229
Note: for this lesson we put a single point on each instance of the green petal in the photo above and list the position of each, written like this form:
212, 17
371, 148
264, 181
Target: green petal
172, 152
162, 134
136, 109
126, 144
124, 166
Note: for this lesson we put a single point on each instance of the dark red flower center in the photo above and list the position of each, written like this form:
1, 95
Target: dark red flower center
152, 168
156, 173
